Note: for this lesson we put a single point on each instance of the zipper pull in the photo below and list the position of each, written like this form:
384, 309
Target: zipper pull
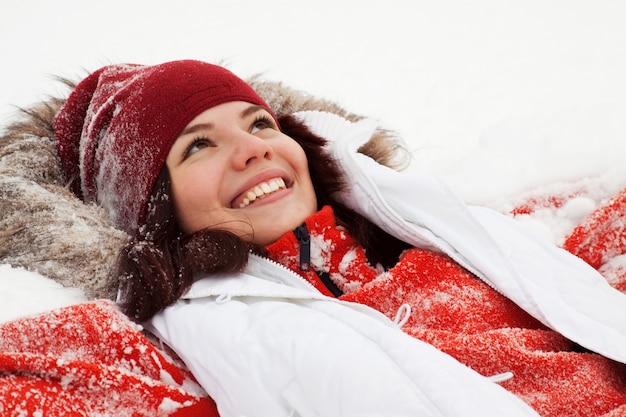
302, 234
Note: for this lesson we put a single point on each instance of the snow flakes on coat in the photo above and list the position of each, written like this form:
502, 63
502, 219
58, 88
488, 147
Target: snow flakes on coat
464, 317
90, 360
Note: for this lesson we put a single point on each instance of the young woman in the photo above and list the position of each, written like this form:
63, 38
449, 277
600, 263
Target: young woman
259, 243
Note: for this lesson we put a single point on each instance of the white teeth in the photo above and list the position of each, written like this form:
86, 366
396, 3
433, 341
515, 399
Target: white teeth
262, 190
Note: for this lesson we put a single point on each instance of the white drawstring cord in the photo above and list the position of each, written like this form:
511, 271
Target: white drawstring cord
402, 315
505, 376
222, 298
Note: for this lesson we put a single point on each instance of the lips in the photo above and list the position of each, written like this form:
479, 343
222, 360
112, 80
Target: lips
261, 191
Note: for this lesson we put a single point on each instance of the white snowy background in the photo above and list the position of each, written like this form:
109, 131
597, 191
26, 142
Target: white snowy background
500, 97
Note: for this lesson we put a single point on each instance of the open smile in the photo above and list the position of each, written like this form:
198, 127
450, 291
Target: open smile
262, 190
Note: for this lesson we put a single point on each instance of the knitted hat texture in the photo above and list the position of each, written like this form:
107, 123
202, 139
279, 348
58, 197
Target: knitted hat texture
117, 127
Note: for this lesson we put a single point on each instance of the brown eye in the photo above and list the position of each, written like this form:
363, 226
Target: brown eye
195, 146
261, 123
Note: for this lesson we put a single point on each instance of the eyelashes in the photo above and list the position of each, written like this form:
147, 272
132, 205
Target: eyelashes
197, 144
263, 121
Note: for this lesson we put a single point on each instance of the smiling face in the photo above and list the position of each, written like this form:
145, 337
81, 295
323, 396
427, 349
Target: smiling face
232, 169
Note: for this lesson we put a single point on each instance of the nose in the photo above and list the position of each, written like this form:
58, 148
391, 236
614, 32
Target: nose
248, 148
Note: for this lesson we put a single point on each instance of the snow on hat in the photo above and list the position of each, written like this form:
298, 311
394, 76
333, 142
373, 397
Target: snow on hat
117, 127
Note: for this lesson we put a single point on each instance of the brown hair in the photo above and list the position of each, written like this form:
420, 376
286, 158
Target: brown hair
158, 266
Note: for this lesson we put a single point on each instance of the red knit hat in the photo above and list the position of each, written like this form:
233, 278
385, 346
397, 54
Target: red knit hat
117, 127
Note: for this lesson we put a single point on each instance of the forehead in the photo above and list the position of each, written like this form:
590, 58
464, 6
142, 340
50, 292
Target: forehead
233, 110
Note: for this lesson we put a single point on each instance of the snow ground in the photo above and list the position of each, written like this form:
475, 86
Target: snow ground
500, 97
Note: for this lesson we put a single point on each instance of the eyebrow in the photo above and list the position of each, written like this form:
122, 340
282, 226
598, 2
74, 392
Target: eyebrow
207, 126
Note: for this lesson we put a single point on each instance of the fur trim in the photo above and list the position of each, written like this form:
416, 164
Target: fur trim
46, 229
384, 146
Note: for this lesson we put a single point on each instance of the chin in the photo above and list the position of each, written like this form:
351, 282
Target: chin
274, 232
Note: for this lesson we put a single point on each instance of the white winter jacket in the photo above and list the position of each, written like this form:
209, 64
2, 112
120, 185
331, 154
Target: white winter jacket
265, 343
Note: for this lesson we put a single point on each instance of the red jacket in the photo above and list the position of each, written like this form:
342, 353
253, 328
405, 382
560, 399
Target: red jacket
90, 359
464, 317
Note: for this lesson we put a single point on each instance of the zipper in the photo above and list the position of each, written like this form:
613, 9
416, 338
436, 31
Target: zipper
304, 238
302, 234
287, 276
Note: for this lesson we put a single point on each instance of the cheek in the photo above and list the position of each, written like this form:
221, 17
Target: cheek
293, 153
181, 205
191, 198
301, 164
